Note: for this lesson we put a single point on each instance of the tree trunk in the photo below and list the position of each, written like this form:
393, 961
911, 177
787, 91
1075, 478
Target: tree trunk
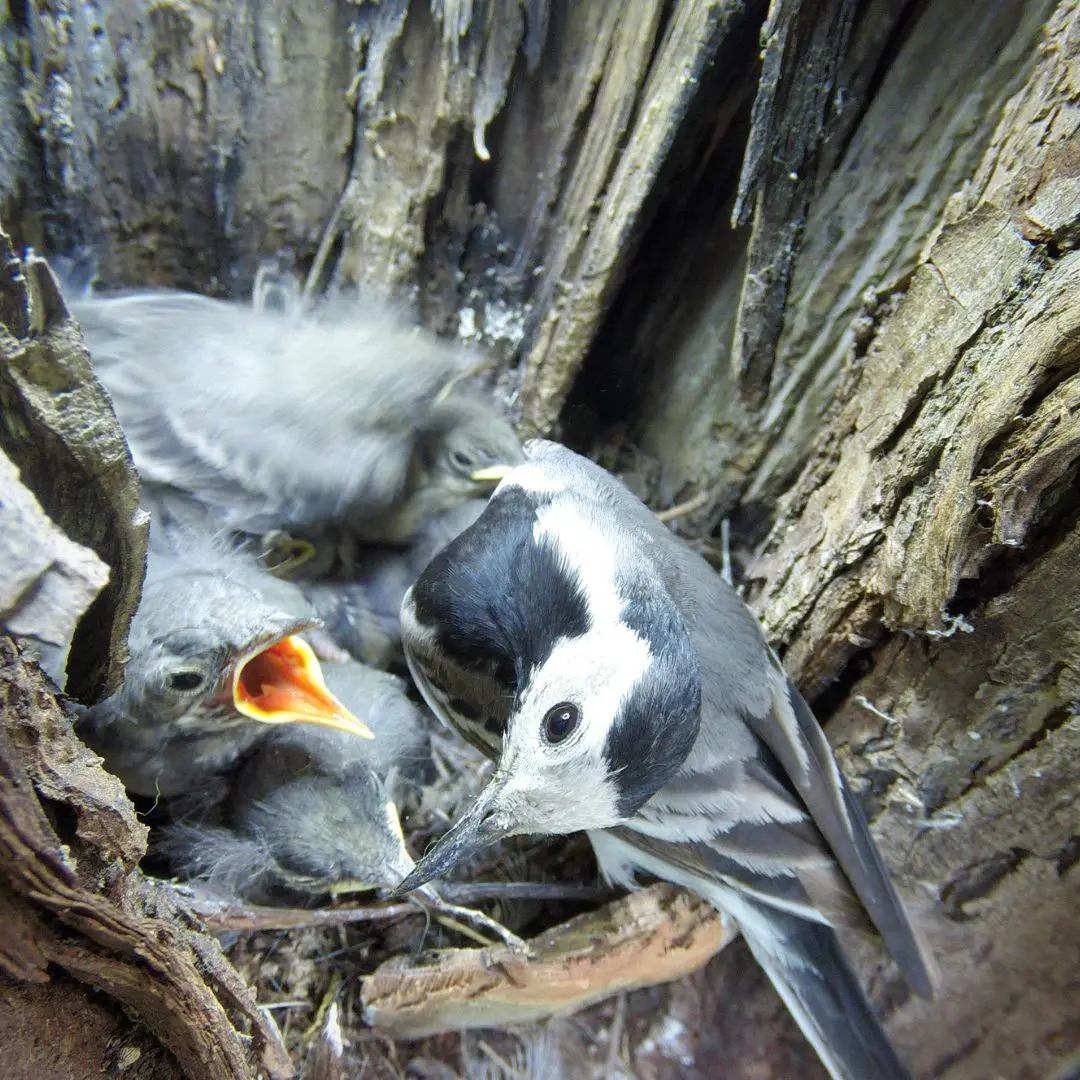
810, 267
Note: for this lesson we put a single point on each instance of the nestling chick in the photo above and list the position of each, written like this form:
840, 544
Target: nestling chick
268, 420
311, 811
625, 689
363, 614
216, 659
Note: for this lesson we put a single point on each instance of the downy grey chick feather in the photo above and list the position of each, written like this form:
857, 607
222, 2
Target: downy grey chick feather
267, 420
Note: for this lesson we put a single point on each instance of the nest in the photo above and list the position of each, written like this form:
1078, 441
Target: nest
383, 990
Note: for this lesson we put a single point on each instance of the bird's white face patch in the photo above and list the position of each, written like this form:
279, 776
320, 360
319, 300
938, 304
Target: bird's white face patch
588, 550
595, 672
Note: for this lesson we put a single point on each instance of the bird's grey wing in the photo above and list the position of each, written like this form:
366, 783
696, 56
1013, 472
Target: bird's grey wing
792, 733
806, 964
735, 825
270, 421
471, 701
800, 954
763, 783
142, 347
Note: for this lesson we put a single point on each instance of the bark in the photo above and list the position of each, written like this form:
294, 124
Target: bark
650, 936
77, 913
874, 373
59, 429
75, 904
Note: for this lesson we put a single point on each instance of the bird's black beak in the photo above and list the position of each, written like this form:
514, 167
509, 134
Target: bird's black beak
482, 824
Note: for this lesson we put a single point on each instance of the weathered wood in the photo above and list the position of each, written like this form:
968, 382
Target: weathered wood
930, 118
651, 936
48, 581
59, 429
937, 462
76, 901
970, 749
18, 167
931, 542
172, 132
868, 225
601, 215
804, 51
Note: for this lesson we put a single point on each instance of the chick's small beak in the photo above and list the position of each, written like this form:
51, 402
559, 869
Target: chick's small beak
283, 684
491, 475
482, 824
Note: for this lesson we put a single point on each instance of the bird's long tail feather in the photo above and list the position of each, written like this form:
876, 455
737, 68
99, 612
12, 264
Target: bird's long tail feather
808, 969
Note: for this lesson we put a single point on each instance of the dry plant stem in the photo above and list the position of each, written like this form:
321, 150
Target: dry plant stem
441, 908
615, 1035
231, 914
673, 513
471, 893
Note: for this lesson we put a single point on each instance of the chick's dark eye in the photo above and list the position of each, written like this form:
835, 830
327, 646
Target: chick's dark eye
560, 721
461, 461
185, 681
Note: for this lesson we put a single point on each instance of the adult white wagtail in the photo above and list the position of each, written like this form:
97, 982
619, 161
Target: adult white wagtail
625, 689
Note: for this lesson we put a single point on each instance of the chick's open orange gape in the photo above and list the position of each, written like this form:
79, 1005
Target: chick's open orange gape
283, 684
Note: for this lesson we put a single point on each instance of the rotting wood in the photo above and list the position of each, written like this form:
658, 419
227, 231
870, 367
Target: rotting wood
597, 246
918, 482
407, 130
48, 581
650, 936
62, 1030
83, 907
866, 229
674, 329
968, 750
804, 50
59, 430
208, 165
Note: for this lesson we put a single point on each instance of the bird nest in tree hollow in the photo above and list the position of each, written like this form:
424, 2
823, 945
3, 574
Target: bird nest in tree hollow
395, 973
347, 980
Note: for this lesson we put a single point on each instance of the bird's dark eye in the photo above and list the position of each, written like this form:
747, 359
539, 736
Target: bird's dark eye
185, 681
560, 721
461, 461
